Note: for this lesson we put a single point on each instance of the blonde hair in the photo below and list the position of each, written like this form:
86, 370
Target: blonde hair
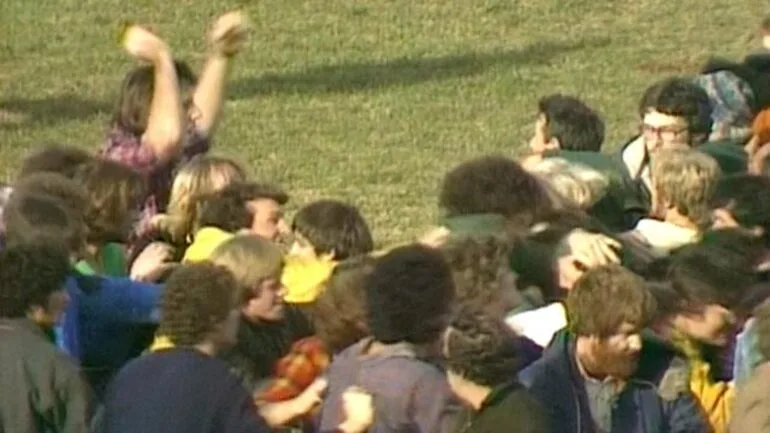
250, 259
685, 179
202, 175
579, 183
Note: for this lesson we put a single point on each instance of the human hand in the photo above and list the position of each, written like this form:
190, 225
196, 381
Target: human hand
358, 409
229, 33
310, 397
152, 262
143, 44
584, 251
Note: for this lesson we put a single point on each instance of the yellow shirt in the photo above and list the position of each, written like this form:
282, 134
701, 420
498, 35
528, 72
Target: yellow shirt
206, 241
304, 279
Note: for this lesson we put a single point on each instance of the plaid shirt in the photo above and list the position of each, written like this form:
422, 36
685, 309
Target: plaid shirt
129, 150
306, 361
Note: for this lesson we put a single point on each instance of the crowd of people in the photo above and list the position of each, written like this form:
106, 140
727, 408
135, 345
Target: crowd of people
151, 286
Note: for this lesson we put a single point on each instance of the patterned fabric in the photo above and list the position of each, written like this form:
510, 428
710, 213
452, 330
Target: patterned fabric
307, 361
731, 100
129, 150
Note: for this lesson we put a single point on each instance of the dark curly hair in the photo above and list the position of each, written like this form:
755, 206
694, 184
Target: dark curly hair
576, 125
29, 274
679, 97
481, 348
55, 158
114, 193
196, 299
494, 185
334, 227
408, 295
227, 210
477, 264
747, 198
339, 313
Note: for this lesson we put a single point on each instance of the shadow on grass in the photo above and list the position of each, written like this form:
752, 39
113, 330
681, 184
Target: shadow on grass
353, 77
15, 113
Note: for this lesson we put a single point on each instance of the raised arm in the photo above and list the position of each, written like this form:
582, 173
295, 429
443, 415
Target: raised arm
165, 124
226, 38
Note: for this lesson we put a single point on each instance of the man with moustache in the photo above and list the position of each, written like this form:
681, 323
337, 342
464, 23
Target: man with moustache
585, 379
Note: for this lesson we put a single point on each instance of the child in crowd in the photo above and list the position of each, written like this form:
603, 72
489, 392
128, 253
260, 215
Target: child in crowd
164, 115
325, 233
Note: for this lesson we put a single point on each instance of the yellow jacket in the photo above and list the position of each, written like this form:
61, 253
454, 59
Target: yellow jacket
304, 279
716, 398
205, 242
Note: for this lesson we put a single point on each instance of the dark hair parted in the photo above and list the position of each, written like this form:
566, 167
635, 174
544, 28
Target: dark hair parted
576, 125
132, 110
197, 298
227, 210
679, 97
477, 264
408, 295
747, 198
114, 192
605, 298
494, 185
334, 227
481, 348
339, 312
55, 158
29, 274
38, 219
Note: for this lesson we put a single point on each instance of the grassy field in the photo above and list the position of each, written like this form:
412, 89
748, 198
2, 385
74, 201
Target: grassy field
368, 101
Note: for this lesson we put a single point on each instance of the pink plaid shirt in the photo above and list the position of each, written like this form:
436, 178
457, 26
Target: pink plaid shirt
129, 150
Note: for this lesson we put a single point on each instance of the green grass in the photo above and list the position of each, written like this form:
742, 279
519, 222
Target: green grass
368, 101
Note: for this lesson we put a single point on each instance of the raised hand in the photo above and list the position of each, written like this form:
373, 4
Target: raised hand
144, 44
229, 33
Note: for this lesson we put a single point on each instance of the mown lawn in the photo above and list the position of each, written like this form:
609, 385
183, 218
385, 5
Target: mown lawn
369, 101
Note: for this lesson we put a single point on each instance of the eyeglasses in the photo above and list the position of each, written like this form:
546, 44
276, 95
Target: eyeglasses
667, 133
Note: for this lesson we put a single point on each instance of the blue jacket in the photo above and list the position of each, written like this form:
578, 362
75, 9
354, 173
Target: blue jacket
103, 323
556, 382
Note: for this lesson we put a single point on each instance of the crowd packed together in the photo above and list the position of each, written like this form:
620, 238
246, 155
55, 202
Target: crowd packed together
153, 287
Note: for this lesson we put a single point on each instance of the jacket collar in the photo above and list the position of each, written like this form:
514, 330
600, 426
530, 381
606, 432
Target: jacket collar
24, 324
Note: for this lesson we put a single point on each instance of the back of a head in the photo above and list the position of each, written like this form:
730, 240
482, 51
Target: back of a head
196, 299
619, 293
36, 219
747, 198
333, 227
578, 183
63, 160
477, 265
712, 272
576, 125
686, 179
29, 274
409, 294
679, 97
494, 185
114, 191
481, 349
339, 312
68, 191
